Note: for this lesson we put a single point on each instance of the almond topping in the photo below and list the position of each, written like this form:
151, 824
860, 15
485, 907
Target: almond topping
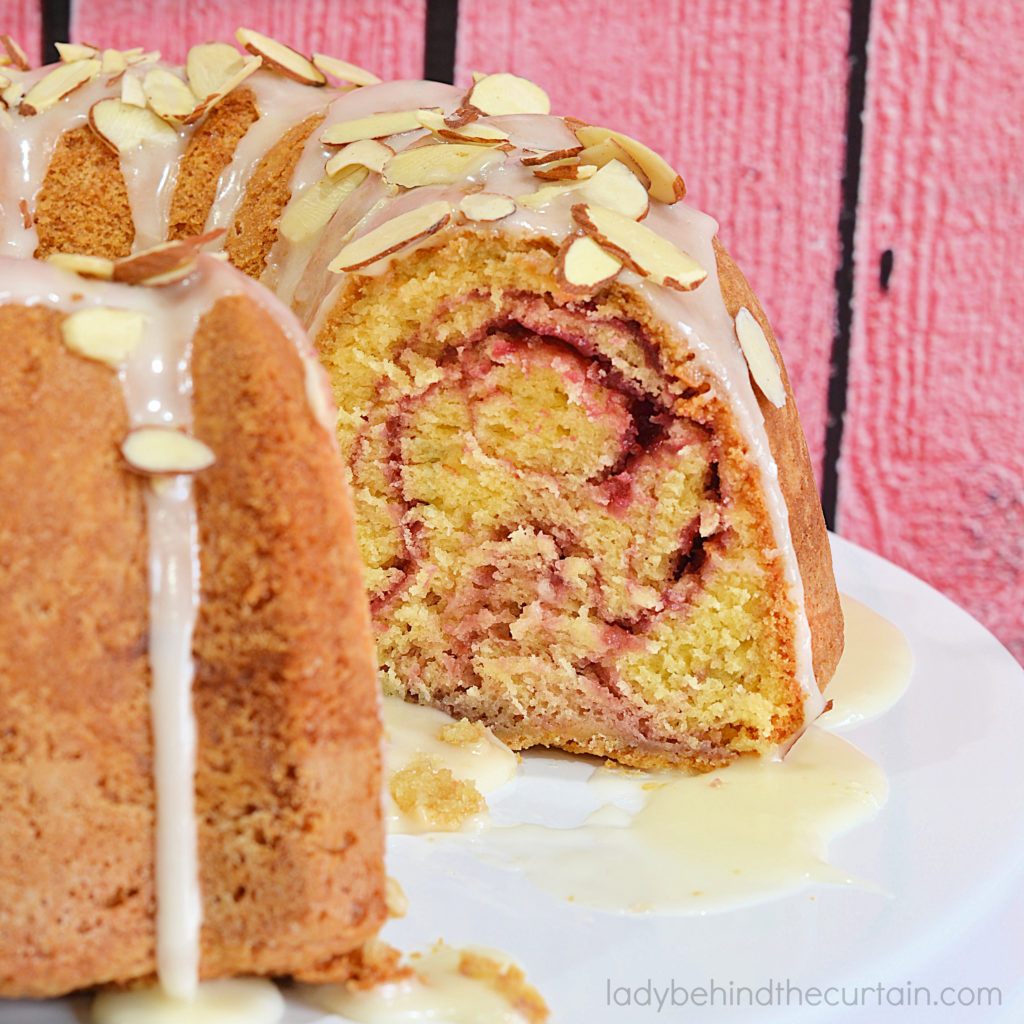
569, 169
63, 80
310, 211
12, 94
439, 164
280, 58
368, 153
113, 62
583, 266
106, 335
167, 95
376, 126
639, 248
16, 54
239, 73
155, 451
392, 236
164, 263
666, 185
85, 266
132, 92
547, 158
607, 150
75, 51
617, 188
210, 66
343, 71
487, 206
124, 126
507, 94
764, 367
474, 131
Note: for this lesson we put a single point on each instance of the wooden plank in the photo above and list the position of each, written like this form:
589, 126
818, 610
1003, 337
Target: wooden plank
385, 38
23, 22
748, 105
932, 472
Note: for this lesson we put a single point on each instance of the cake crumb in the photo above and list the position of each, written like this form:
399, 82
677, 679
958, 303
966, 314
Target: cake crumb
508, 981
433, 796
464, 733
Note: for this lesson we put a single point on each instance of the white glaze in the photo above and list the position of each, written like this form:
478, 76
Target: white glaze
227, 1001
438, 992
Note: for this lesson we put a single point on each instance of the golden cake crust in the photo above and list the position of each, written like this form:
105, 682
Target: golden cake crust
288, 773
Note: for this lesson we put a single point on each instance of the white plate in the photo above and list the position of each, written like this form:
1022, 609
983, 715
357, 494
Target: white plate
947, 854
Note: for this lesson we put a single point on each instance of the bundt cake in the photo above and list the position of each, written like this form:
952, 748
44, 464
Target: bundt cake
186, 671
583, 496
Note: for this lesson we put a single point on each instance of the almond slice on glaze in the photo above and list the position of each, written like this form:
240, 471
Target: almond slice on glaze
85, 266
17, 55
375, 126
167, 95
487, 206
113, 62
473, 131
124, 126
156, 451
439, 164
764, 367
607, 150
343, 71
104, 334
583, 266
639, 248
131, 91
280, 58
666, 184
164, 263
368, 153
69, 52
616, 187
60, 82
12, 94
392, 236
310, 211
546, 158
569, 169
241, 71
505, 93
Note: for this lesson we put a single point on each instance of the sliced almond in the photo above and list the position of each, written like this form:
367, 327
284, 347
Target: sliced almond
368, 153
156, 451
112, 62
440, 164
764, 367
546, 193
616, 187
507, 94
474, 131
167, 95
487, 206
210, 66
666, 185
583, 266
17, 55
137, 55
125, 127
12, 94
85, 266
310, 211
280, 58
132, 92
343, 71
392, 236
550, 157
607, 150
75, 51
106, 335
241, 72
639, 248
63, 80
164, 263
375, 126
569, 169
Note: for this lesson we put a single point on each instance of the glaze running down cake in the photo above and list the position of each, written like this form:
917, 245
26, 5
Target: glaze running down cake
176, 536
583, 495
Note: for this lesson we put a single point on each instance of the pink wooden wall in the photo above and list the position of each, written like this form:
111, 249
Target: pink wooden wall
749, 100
